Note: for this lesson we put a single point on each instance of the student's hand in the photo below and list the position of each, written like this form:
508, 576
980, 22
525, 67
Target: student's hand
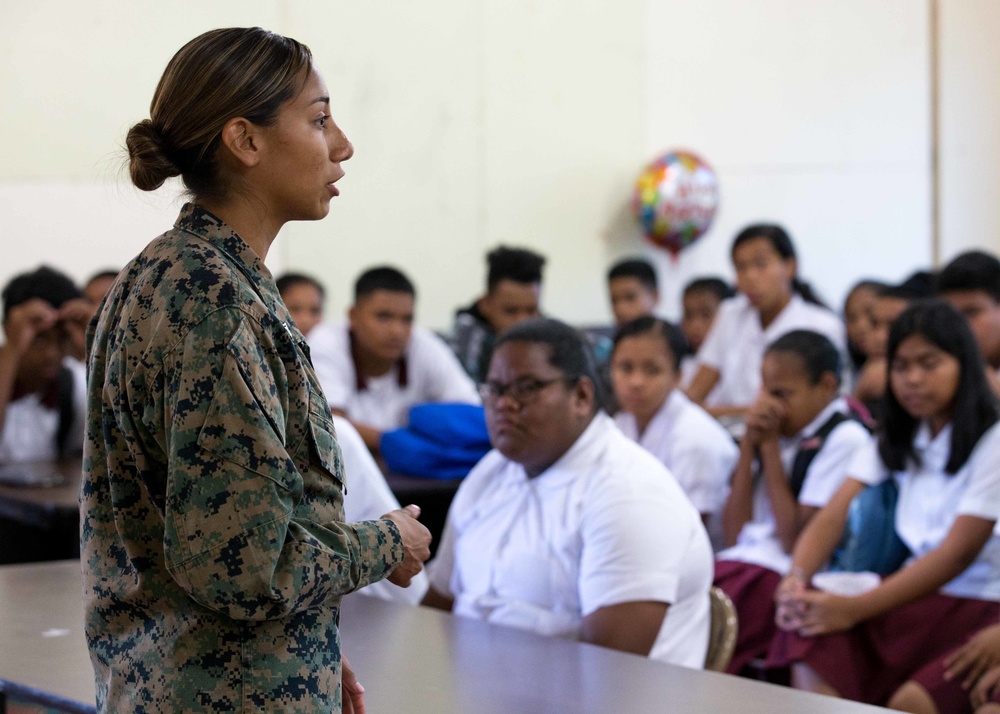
25, 321
971, 660
352, 694
787, 598
824, 613
75, 315
987, 685
764, 417
416, 544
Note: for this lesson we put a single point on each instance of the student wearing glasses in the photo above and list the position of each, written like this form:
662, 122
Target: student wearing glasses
568, 528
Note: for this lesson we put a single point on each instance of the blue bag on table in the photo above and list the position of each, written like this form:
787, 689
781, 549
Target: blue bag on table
442, 441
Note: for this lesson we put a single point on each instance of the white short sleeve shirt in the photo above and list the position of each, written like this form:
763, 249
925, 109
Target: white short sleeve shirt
605, 524
758, 541
735, 345
433, 374
692, 445
368, 498
930, 500
29, 430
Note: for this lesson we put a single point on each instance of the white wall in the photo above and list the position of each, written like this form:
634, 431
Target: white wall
525, 122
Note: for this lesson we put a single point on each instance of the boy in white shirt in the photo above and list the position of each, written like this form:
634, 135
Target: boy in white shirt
377, 365
42, 377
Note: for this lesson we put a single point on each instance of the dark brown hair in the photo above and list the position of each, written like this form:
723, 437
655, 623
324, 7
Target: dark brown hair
217, 76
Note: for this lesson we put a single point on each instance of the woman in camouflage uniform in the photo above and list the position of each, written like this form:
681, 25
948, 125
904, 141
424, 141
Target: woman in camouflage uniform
213, 545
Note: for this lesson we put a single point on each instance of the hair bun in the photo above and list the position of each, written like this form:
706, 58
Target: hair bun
149, 162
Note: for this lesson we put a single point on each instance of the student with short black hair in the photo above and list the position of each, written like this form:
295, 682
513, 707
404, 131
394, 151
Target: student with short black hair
513, 291
773, 300
378, 364
43, 391
645, 369
97, 286
799, 439
304, 296
939, 444
971, 283
632, 287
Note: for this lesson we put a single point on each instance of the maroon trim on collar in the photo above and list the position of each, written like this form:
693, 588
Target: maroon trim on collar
361, 382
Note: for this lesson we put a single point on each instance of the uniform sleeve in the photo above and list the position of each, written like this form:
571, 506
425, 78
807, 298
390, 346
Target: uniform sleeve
702, 467
833, 463
713, 349
982, 494
240, 534
447, 381
634, 547
866, 465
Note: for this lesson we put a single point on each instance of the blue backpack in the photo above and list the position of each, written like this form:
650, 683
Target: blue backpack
442, 441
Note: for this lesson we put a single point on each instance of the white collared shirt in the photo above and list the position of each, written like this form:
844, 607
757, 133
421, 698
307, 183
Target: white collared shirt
433, 375
758, 541
29, 429
606, 524
930, 500
735, 345
692, 445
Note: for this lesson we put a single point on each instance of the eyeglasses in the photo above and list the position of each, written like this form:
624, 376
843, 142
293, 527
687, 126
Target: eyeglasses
522, 391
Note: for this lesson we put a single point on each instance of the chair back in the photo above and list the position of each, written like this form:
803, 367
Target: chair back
722, 631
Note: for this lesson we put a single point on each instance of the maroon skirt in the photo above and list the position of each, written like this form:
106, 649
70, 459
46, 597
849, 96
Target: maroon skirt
751, 588
871, 661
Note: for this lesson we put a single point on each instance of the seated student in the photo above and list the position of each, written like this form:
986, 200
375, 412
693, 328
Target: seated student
859, 318
794, 455
971, 283
513, 290
377, 365
43, 389
690, 443
303, 296
772, 301
632, 288
700, 302
568, 528
98, 285
889, 304
367, 497
940, 444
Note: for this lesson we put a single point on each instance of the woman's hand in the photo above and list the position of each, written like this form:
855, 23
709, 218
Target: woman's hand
824, 613
763, 420
975, 657
352, 694
985, 688
787, 599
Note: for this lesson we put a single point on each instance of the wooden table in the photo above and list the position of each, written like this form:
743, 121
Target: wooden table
410, 659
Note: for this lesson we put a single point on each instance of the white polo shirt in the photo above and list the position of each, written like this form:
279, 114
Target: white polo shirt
368, 498
605, 524
930, 500
758, 541
735, 345
692, 445
429, 372
29, 430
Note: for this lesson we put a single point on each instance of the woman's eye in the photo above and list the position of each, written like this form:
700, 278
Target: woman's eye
322, 120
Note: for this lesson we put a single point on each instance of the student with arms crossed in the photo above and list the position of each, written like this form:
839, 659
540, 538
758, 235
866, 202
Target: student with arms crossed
799, 440
377, 365
568, 528
940, 443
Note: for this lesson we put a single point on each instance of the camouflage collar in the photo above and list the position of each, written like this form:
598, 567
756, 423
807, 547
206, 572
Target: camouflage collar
197, 221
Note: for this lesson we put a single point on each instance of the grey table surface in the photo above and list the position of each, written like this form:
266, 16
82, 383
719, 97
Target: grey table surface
409, 659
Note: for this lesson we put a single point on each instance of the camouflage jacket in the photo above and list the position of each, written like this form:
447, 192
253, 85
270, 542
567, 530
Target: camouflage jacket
212, 543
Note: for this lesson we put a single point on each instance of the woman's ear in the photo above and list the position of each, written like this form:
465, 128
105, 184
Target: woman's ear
243, 140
